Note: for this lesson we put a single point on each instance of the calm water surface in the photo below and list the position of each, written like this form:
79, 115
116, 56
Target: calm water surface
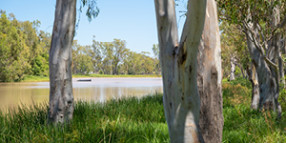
98, 90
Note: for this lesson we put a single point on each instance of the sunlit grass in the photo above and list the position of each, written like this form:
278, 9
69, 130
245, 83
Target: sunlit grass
134, 120
242, 124
126, 120
32, 78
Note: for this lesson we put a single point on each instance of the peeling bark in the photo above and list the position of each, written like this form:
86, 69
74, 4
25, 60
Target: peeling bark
61, 95
255, 88
209, 78
179, 70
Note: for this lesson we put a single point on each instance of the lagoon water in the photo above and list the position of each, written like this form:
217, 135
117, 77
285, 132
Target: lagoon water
98, 90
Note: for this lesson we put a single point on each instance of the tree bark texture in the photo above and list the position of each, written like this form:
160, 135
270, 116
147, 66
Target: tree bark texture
209, 78
267, 75
61, 95
255, 88
179, 68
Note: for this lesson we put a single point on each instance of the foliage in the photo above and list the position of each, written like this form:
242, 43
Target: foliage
22, 50
92, 9
233, 45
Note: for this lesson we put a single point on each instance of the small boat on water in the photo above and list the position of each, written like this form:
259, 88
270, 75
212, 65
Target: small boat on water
84, 80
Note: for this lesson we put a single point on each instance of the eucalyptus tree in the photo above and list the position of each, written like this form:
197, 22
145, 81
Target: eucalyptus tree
14, 53
180, 68
61, 96
119, 54
155, 50
263, 28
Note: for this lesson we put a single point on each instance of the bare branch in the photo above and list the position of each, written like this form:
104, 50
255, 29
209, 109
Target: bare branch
251, 36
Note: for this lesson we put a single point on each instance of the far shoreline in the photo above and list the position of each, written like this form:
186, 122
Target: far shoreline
32, 78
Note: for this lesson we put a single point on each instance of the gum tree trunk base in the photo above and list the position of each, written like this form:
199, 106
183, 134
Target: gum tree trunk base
61, 95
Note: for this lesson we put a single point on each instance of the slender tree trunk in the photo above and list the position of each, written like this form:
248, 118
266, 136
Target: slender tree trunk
281, 70
61, 95
209, 78
242, 71
232, 69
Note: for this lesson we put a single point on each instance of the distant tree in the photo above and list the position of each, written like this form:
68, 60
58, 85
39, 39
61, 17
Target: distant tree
82, 59
107, 51
155, 50
96, 56
119, 50
234, 50
14, 53
263, 24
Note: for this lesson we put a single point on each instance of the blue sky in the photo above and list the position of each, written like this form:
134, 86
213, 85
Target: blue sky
131, 20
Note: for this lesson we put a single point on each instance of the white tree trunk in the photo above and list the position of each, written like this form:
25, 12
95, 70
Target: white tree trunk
61, 95
179, 67
232, 69
209, 78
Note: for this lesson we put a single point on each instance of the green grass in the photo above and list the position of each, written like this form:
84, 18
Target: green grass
242, 124
127, 120
32, 78
133, 120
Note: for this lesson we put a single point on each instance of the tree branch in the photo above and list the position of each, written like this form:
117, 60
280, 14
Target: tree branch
251, 36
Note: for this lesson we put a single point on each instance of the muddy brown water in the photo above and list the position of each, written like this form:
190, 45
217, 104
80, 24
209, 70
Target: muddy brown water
13, 95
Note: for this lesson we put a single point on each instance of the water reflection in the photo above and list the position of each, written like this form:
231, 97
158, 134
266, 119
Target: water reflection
98, 90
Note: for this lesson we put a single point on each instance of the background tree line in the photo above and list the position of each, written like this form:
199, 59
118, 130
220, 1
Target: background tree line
24, 50
113, 58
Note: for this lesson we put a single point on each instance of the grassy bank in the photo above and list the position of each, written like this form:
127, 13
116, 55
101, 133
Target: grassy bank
133, 120
127, 120
31, 78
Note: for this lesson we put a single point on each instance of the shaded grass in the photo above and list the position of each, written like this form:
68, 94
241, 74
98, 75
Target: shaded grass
133, 120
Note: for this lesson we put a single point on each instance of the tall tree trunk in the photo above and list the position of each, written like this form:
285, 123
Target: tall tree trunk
267, 77
61, 95
232, 69
181, 98
209, 78
179, 70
